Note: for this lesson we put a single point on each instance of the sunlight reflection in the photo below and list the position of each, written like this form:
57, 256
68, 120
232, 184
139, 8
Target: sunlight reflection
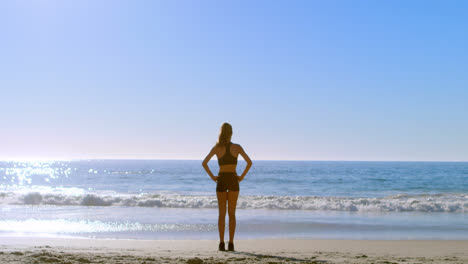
23, 172
89, 226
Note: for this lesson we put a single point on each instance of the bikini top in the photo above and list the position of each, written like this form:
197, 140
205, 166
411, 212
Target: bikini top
228, 158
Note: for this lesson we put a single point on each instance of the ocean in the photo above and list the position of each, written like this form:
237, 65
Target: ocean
176, 199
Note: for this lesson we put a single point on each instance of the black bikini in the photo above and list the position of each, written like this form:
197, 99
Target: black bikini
227, 180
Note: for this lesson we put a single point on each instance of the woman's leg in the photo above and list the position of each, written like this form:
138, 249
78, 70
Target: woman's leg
222, 198
232, 202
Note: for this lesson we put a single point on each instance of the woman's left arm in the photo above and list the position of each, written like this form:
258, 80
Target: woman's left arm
205, 164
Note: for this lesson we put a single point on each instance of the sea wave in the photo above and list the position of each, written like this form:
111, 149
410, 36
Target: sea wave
451, 203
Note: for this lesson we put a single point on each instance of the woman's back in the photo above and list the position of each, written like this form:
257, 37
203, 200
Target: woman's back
227, 158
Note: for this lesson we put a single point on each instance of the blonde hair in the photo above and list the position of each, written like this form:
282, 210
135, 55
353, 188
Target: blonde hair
225, 134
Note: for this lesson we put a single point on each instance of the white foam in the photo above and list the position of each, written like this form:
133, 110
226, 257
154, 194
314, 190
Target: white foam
452, 203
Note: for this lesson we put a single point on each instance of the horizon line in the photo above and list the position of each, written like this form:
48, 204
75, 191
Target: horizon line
159, 159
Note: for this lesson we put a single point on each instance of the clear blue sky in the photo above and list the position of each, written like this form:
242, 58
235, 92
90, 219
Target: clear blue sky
307, 80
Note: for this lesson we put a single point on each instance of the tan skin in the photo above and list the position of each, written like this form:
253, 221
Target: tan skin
229, 196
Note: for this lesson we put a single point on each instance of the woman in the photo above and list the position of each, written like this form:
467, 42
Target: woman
227, 188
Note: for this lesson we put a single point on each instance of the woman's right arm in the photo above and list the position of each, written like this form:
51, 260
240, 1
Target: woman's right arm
247, 159
205, 164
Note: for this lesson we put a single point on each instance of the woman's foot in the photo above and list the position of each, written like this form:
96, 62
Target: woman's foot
231, 246
221, 246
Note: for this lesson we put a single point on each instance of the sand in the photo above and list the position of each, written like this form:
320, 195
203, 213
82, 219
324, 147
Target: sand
66, 250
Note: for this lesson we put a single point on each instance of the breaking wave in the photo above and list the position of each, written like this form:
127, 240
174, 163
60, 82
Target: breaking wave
452, 203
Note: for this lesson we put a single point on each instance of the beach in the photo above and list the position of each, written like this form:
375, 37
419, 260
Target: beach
104, 211
66, 250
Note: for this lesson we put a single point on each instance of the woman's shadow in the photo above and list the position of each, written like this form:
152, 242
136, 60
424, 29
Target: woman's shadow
281, 258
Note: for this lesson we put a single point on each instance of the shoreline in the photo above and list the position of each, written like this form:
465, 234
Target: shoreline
85, 250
